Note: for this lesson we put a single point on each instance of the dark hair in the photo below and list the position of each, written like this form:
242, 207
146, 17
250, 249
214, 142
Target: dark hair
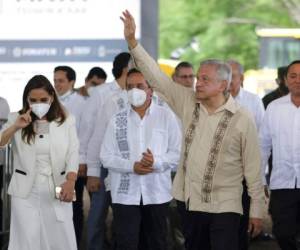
71, 74
281, 73
98, 72
55, 113
133, 71
120, 62
182, 65
290, 65
136, 71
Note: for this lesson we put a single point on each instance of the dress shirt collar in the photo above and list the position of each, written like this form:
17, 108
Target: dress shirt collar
229, 105
148, 111
115, 85
66, 96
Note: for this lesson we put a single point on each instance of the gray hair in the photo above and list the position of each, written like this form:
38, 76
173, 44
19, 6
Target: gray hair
223, 70
240, 66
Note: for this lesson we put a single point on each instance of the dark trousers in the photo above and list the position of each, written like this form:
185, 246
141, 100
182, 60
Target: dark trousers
208, 231
284, 209
244, 220
78, 208
183, 216
142, 227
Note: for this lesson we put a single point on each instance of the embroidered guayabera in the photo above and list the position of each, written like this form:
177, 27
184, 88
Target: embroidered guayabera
190, 134
213, 156
121, 136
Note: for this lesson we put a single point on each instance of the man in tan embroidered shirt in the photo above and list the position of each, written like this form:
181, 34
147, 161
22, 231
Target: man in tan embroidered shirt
220, 149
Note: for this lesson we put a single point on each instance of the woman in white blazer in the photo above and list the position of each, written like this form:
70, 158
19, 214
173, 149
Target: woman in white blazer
45, 153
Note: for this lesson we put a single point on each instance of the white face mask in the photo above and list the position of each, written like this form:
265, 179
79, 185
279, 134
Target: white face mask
136, 97
40, 109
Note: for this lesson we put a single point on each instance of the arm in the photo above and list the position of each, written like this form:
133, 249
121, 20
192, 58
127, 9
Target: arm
175, 94
265, 141
252, 173
110, 155
259, 114
14, 123
87, 123
73, 147
68, 186
94, 145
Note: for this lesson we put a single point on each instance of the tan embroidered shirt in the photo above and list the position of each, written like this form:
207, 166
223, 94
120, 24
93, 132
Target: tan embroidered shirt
222, 152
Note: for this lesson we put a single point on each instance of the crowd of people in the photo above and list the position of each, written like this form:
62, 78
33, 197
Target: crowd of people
145, 140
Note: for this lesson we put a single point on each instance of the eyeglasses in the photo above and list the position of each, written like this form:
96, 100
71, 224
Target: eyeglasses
187, 76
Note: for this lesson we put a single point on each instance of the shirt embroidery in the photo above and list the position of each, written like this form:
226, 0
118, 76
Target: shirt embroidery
121, 103
213, 156
121, 136
190, 134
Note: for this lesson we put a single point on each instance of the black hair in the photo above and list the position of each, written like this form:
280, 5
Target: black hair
71, 74
290, 65
98, 72
120, 62
136, 71
281, 73
183, 65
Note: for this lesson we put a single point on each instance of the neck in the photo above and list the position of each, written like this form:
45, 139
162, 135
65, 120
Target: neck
122, 81
296, 100
142, 110
213, 103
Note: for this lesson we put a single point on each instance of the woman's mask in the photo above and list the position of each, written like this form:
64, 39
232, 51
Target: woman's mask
136, 97
40, 109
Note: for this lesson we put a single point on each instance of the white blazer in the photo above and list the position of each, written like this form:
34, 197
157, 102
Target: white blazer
64, 154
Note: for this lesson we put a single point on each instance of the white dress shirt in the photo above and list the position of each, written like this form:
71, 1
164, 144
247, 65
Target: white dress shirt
74, 103
280, 132
158, 131
253, 104
88, 122
116, 100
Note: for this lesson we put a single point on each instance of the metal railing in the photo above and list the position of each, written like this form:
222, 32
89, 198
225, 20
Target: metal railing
6, 168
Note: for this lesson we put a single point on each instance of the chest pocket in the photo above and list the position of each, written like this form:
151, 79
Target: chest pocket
158, 142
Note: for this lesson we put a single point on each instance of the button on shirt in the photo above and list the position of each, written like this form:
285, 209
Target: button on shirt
238, 156
281, 133
253, 104
158, 131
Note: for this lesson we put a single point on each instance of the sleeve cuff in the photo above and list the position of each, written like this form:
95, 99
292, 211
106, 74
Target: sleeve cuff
82, 159
256, 209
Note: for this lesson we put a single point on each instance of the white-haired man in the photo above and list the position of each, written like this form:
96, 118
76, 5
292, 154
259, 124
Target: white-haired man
220, 149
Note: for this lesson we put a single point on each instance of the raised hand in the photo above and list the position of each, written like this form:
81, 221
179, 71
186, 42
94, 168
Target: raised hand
23, 120
129, 28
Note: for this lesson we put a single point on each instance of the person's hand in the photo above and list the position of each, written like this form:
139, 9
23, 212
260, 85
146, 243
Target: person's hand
67, 191
82, 170
147, 159
129, 28
93, 183
23, 120
254, 226
140, 169
267, 192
